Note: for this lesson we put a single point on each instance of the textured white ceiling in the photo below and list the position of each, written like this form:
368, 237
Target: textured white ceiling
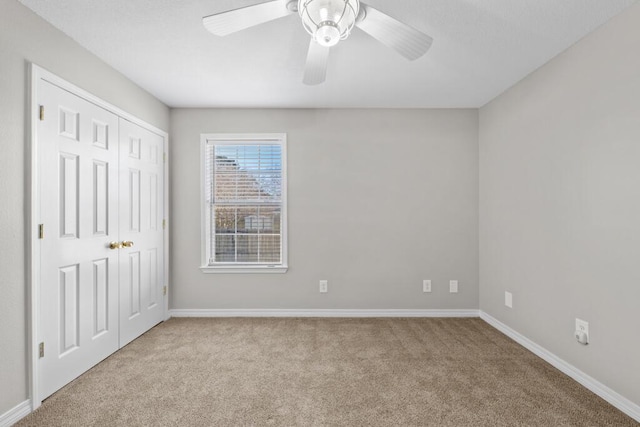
481, 48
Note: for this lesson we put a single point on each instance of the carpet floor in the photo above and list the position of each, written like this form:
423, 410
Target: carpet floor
324, 372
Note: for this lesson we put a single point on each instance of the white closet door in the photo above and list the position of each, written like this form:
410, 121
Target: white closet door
77, 145
141, 208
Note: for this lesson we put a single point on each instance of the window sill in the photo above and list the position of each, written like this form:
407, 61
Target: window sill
244, 269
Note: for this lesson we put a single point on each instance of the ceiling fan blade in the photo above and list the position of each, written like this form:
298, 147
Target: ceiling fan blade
315, 70
405, 40
235, 20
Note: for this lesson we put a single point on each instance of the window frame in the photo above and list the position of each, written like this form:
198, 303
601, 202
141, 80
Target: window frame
241, 139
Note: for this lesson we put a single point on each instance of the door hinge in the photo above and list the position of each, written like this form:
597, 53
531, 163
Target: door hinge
164, 224
164, 290
42, 112
41, 350
164, 157
41, 231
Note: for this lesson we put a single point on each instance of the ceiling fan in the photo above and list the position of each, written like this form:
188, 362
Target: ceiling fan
328, 22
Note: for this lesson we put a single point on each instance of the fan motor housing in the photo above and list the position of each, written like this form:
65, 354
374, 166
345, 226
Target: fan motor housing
292, 5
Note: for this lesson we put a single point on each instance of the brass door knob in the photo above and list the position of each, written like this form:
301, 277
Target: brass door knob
127, 244
115, 245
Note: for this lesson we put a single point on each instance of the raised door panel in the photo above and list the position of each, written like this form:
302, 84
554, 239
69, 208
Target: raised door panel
101, 323
133, 291
69, 310
100, 186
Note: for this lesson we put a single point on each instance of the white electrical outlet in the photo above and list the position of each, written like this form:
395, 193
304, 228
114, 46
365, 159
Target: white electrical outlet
508, 299
582, 331
324, 286
426, 286
453, 286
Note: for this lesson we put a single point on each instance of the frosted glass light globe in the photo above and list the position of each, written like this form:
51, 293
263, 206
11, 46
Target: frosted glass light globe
328, 21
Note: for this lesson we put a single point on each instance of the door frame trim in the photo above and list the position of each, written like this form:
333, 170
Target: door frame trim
38, 73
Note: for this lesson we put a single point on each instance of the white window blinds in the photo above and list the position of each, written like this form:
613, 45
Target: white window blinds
244, 198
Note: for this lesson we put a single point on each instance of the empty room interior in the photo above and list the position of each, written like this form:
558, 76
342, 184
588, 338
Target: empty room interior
320, 213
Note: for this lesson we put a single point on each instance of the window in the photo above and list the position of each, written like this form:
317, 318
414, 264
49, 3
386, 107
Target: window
244, 193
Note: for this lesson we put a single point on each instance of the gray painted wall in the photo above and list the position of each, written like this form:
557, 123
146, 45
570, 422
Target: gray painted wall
559, 209
24, 37
560, 204
378, 201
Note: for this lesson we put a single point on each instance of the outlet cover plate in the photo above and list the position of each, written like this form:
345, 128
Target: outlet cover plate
453, 286
324, 286
582, 331
582, 326
426, 286
508, 299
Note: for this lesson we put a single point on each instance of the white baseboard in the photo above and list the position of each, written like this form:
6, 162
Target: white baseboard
614, 398
321, 313
15, 414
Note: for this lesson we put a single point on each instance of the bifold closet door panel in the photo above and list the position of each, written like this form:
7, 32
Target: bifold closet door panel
141, 215
77, 149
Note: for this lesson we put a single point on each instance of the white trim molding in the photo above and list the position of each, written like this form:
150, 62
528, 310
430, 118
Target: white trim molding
15, 414
263, 269
321, 313
611, 396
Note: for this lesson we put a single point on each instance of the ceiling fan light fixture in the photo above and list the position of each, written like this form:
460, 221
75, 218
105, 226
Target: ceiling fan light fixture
328, 21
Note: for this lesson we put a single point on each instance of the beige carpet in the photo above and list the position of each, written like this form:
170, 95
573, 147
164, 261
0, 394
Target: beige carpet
324, 372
